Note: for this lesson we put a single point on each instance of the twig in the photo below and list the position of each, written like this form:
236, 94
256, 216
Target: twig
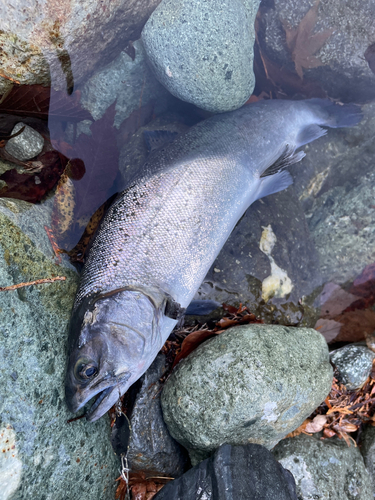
29, 283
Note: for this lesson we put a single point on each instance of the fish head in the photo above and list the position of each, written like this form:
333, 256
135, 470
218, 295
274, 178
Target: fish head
113, 340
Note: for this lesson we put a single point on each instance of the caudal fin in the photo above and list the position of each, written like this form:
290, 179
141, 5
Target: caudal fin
336, 115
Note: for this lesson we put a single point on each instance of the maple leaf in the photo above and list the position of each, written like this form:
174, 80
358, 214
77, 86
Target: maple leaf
303, 44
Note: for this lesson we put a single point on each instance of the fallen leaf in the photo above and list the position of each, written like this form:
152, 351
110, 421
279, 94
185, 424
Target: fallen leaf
34, 101
191, 342
33, 188
303, 43
317, 424
299, 430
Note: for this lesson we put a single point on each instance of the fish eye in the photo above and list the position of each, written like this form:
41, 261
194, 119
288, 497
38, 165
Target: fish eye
85, 369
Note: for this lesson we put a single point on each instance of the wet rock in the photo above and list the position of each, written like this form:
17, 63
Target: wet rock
26, 145
151, 447
342, 229
332, 55
202, 52
233, 473
58, 457
279, 284
368, 452
78, 35
253, 383
354, 363
128, 82
327, 469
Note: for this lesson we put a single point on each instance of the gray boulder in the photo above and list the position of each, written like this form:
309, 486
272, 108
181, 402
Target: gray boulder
253, 383
354, 364
331, 51
202, 52
151, 447
128, 82
325, 469
44, 456
233, 473
335, 188
75, 36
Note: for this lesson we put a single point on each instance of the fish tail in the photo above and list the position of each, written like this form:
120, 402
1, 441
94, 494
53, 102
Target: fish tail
335, 115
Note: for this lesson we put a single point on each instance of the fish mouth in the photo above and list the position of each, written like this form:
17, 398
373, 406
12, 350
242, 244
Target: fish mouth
104, 401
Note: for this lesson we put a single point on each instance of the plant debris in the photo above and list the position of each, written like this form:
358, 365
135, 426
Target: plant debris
30, 283
142, 486
343, 413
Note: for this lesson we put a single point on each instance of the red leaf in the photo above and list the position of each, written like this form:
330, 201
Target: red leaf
191, 342
34, 101
32, 188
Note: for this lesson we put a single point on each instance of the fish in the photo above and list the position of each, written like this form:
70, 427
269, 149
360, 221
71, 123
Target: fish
161, 235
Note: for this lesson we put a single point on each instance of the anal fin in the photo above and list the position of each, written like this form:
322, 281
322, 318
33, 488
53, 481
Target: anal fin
274, 183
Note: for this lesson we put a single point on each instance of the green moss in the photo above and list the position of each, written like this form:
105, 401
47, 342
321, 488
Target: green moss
27, 263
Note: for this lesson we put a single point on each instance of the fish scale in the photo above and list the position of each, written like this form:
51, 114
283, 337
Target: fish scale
162, 234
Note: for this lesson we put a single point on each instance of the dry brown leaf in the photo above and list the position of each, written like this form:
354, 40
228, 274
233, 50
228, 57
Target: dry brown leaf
303, 43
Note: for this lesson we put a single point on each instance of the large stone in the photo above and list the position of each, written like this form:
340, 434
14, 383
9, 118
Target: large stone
129, 82
333, 54
233, 473
253, 383
325, 469
73, 35
151, 447
202, 51
44, 456
336, 188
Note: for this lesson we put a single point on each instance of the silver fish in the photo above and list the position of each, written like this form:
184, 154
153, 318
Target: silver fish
162, 234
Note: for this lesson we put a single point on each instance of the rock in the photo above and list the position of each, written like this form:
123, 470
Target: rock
129, 83
233, 473
331, 49
151, 447
368, 452
244, 273
26, 145
325, 469
334, 186
58, 457
75, 36
202, 52
342, 229
354, 364
253, 383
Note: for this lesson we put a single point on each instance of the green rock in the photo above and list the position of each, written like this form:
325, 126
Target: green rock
325, 469
43, 457
252, 383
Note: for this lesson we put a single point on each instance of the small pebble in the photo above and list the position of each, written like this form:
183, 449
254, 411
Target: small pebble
25, 146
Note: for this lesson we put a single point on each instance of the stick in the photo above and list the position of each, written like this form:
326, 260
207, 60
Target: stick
29, 283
